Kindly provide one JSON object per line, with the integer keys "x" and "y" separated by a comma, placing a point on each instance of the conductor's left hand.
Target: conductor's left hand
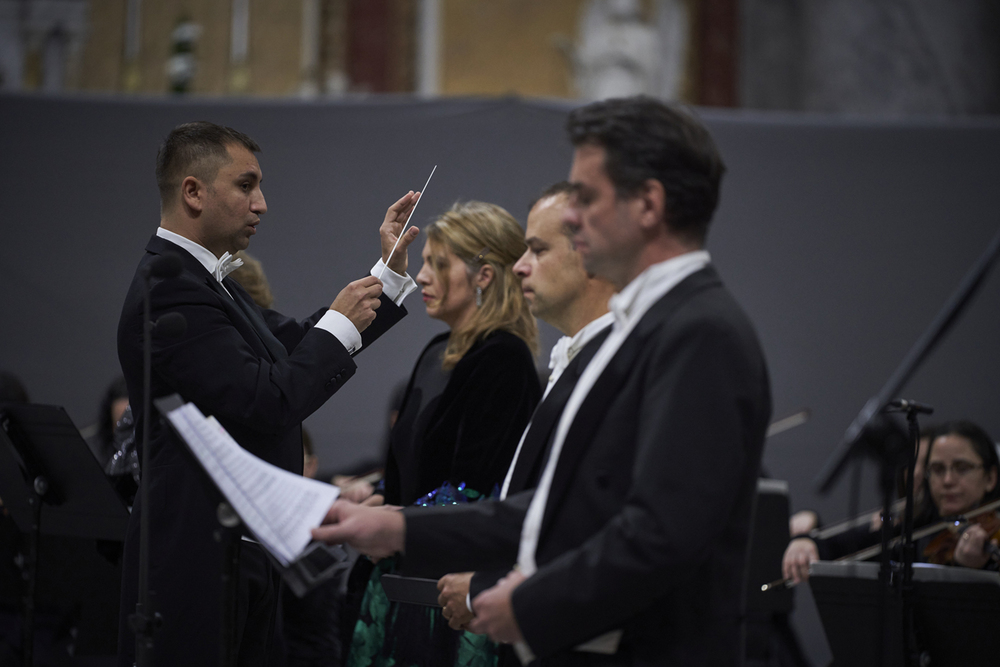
{"x": 495, "y": 612}
{"x": 378, "y": 532}
{"x": 395, "y": 219}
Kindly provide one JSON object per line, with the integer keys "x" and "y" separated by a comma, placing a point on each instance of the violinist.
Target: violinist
{"x": 960, "y": 470}
{"x": 962, "y": 475}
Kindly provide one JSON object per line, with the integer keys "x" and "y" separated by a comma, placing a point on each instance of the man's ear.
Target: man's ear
{"x": 652, "y": 201}
{"x": 485, "y": 276}
{"x": 193, "y": 195}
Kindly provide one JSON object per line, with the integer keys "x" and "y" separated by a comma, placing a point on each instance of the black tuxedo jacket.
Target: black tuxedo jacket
{"x": 260, "y": 374}
{"x": 647, "y": 523}
{"x": 534, "y": 450}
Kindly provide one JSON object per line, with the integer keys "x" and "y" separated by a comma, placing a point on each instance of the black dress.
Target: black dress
{"x": 455, "y": 437}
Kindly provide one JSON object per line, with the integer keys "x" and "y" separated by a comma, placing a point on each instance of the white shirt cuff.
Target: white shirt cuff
{"x": 342, "y": 329}
{"x": 468, "y": 602}
{"x": 394, "y": 286}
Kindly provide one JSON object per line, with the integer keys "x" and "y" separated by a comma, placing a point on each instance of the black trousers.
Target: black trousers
{"x": 257, "y": 599}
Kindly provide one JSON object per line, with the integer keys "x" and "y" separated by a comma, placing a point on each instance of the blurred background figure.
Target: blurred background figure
{"x": 100, "y": 435}
{"x": 253, "y": 279}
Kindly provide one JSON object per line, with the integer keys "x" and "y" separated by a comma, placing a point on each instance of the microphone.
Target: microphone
{"x": 166, "y": 265}
{"x": 171, "y": 325}
{"x": 911, "y": 406}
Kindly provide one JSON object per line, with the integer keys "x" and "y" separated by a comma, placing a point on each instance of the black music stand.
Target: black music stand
{"x": 849, "y": 597}
{"x": 957, "y": 609}
{"x": 958, "y": 613}
{"x": 51, "y": 484}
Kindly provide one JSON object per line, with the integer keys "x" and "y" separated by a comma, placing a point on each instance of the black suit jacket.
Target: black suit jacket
{"x": 260, "y": 374}
{"x": 534, "y": 450}
{"x": 647, "y": 523}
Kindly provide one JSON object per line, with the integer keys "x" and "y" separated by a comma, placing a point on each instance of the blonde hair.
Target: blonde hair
{"x": 479, "y": 234}
{"x": 251, "y": 277}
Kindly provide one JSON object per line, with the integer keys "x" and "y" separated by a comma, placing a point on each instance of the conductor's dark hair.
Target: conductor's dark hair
{"x": 196, "y": 149}
{"x": 644, "y": 139}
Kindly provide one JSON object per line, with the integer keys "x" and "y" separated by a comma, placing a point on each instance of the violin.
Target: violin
{"x": 941, "y": 549}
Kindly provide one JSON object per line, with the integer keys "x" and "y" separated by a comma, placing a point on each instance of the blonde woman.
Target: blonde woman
{"x": 470, "y": 396}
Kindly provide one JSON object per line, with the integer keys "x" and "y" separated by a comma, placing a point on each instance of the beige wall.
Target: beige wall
{"x": 101, "y": 58}
{"x": 272, "y": 64}
{"x": 275, "y": 46}
{"x": 497, "y": 47}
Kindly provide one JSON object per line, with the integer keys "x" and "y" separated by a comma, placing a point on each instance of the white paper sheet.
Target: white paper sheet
{"x": 277, "y": 506}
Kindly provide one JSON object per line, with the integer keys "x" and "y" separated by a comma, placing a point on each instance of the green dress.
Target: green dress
{"x": 390, "y": 634}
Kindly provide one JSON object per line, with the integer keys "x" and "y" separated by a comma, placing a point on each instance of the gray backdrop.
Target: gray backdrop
{"x": 841, "y": 237}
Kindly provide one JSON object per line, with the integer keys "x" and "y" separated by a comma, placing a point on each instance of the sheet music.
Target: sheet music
{"x": 277, "y": 506}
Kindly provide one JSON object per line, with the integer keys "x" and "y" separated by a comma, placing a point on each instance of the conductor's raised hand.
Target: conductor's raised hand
{"x": 358, "y": 301}
{"x": 392, "y": 227}
{"x": 378, "y": 532}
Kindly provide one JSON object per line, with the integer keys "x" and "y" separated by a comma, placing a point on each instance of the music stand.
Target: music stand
{"x": 957, "y": 609}
{"x": 958, "y": 612}
{"x": 51, "y": 484}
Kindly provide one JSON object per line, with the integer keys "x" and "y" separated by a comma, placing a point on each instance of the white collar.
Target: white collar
{"x": 646, "y": 288}
{"x": 567, "y": 347}
{"x": 219, "y": 267}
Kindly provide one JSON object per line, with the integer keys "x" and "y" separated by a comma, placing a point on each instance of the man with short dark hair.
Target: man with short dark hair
{"x": 259, "y": 373}
{"x": 632, "y": 548}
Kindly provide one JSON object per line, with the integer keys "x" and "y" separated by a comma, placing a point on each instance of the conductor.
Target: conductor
{"x": 258, "y": 372}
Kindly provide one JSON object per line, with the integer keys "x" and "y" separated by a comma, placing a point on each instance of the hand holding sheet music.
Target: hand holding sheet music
{"x": 278, "y": 507}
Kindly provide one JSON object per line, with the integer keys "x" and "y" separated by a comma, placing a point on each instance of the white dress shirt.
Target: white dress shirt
{"x": 627, "y": 307}
{"x": 394, "y": 286}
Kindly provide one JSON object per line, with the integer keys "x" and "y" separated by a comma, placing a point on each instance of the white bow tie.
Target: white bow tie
{"x": 226, "y": 265}
{"x": 619, "y": 309}
{"x": 559, "y": 358}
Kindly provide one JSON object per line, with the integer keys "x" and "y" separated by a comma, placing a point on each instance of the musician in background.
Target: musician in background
{"x": 960, "y": 475}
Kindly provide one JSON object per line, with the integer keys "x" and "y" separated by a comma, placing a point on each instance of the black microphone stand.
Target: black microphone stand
{"x": 911, "y": 649}
{"x": 145, "y": 620}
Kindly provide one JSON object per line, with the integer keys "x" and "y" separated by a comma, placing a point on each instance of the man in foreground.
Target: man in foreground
{"x": 258, "y": 372}
{"x": 632, "y": 548}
